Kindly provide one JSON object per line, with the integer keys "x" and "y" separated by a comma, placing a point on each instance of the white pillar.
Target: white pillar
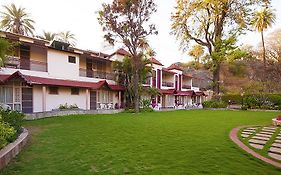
{"x": 87, "y": 99}
{"x": 119, "y": 99}
{"x": 44, "y": 98}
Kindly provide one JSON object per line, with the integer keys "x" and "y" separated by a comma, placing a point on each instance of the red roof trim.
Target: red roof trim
{"x": 155, "y": 61}
{"x": 185, "y": 93}
{"x": 200, "y": 93}
{"x": 167, "y": 91}
{"x": 174, "y": 66}
{"x": 32, "y": 80}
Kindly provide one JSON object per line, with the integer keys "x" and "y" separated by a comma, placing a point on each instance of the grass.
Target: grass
{"x": 179, "y": 142}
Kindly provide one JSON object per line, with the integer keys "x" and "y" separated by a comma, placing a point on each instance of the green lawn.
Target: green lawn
{"x": 180, "y": 142}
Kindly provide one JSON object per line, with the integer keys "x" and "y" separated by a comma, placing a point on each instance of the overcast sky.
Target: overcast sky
{"x": 80, "y": 18}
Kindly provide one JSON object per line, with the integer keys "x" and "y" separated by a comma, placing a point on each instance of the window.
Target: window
{"x": 71, "y": 59}
{"x": 11, "y": 96}
{"x": 53, "y": 90}
{"x": 105, "y": 96}
{"x": 74, "y": 91}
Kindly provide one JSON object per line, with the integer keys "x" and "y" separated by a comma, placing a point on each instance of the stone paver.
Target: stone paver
{"x": 249, "y": 133}
{"x": 245, "y": 135}
{"x": 278, "y": 137}
{"x": 252, "y": 128}
{"x": 268, "y": 130}
{"x": 277, "y": 145}
{"x": 275, "y": 150}
{"x": 275, "y": 156}
{"x": 260, "y": 138}
{"x": 267, "y": 133}
{"x": 248, "y": 130}
{"x": 262, "y": 142}
{"x": 269, "y": 127}
{"x": 263, "y": 135}
{"x": 257, "y": 146}
{"x": 278, "y": 141}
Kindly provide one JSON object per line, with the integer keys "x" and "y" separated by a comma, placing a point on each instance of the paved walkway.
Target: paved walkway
{"x": 256, "y": 140}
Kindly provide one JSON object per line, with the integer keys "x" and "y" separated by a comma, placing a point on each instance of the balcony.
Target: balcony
{"x": 167, "y": 84}
{"x": 186, "y": 86}
{"x": 96, "y": 74}
{"x": 17, "y": 63}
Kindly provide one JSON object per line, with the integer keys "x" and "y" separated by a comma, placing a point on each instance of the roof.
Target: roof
{"x": 168, "y": 71}
{"x": 33, "y": 80}
{"x": 122, "y": 52}
{"x": 174, "y": 66}
{"x": 155, "y": 61}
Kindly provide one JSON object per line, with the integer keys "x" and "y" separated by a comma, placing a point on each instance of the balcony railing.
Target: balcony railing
{"x": 167, "y": 84}
{"x": 96, "y": 74}
{"x": 186, "y": 86}
{"x": 17, "y": 63}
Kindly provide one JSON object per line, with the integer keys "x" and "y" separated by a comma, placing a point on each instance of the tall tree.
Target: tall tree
{"x": 49, "y": 36}
{"x": 67, "y": 37}
{"x": 17, "y": 20}
{"x": 213, "y": 24}
{"x": 126, "y": 21}
{"x": 5, "y": 49}
{"x": 263, "y": 19}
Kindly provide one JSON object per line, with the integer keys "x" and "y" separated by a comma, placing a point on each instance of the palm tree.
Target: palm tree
{"x": 16, "y": 20}
{"x": 67, "y": 37}
{"x": 49, "y": 36}
{"x": 5, "y": 49}
{"x": 263, "y": 19}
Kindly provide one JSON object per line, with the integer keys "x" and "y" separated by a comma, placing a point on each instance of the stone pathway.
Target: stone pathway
{"x": 275, "y": 150}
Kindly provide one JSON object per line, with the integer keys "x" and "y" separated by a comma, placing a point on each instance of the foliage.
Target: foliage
{"x": 124, "y": 76}
{"x": 214, "y": 25}
{"x": 67, "y": 37}
{"x": 66, "y": 106}
{"x": 214, "y": 104}
{"x": 145, "y": 103}
{"x": 13, "y": 118}
{"x": 49, "y": 36}
{"x": 262, "y": 20}
{"x": 17, "y": 20}
{"x": 7, "y": 134}
{"x": 126, "y": 22}
{"x": 5, "y": 48}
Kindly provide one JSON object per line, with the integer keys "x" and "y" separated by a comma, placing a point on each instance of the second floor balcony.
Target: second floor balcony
{"x": 96, "y": 74}
{"x": 167, "y": 84}
{"x": 26, "y": 64}
{"x": 186, "y": 86}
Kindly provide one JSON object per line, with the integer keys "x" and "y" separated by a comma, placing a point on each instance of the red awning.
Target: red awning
{"x": 185, "y": 93}
{"x": 33, "y": 80}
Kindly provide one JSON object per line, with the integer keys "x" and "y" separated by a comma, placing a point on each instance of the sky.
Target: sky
{"x": 80, "y": 18}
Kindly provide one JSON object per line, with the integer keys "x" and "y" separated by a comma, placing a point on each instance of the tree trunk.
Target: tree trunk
{"x": 136, "y": 89}
{"x": 263, "y": 51}
{"x": 216, "y": 80}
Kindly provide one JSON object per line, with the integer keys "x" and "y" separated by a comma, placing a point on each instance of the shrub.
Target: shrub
{"x": 13, "y": 118}
{"x": 214, "y": 104}
{"x": 7, "y": 134}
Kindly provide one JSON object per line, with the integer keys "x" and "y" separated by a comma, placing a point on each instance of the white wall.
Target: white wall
{"x": 59, "y": 66}
{"x": 37, "y": 99}
{"x": 64, "y": 96}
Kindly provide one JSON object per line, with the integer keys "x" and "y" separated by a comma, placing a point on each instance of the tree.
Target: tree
{"x": 49, "y": 36}
{"x": 263, "y": 19}
{"x": 67, "y": 37}
{"x": 17, "y": 20}
{"x": 126, "y": 22}
{"x": 5, "y": 49}
{"x": 124, "y": 75}
{"x": 196, "y": 52}
{"x": 213, "y": 24}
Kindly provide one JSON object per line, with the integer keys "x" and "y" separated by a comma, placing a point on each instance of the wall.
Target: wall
{"x": 37, "y": 99}
{"x": 64, "y": 96}
{"x": 59, "y": 66}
